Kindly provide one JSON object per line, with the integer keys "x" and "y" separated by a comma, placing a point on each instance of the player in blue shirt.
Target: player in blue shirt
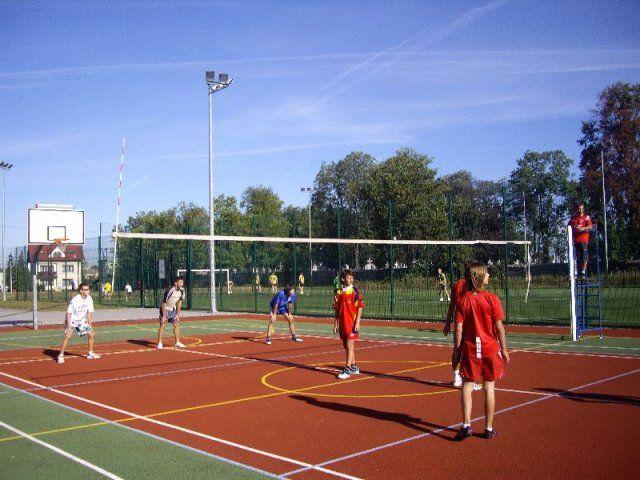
{"x": 281, "y": 304}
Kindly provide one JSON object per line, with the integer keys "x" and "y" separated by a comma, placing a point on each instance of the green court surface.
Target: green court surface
{"x": 121, "y": 451}
{"x": 51, "y": 338}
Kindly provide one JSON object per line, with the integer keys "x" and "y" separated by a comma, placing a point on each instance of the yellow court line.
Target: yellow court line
{"x": 342, "y": 382}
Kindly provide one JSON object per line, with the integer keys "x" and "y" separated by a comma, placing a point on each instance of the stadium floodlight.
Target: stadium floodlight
{"x": 213, "y": 86}
{"x": 5, "y": 168}
{"x": 309, "y": 190}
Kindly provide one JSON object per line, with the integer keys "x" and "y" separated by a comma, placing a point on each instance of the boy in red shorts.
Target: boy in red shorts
{"x": 348, "y": 304}
{"x": 478, "y": 322}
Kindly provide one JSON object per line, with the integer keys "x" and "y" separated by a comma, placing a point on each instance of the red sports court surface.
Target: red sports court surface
{"x": 280, "y": 408}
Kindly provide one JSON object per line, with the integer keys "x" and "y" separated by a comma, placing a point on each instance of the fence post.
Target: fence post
{"x": 100, "y": 273}
{"x": 506, "y": 253}
{"x": 188, "y": 272}
{"x": 450, "y": 221}
{"x": 254, "y": 268}
{"x": 339, "y": 236}
{"x": 219, "y": 264}
{"x": 156, "y": 271}
{"x": 295, "y": 262}
{"x": 391, "y": 257}
{"x": 141, "y": 272}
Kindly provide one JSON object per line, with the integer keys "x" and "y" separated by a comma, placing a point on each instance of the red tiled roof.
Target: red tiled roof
{"x": 42, "y": 253}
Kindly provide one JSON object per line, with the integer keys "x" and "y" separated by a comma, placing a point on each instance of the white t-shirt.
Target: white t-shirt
{"x": 127, "y": 288}
{"x": 79, "y": 308}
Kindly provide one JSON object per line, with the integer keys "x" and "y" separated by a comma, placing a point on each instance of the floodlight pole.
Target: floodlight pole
{"x": 213, "y": 86}
{"x": 309, "y": 190}
{"x": 5, "y": 168}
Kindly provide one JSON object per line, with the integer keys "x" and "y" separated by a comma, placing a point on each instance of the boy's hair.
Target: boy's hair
{"x": 474, "y": 274}
{"x": 344, "y": 273}
{"x": 82, "y": 285}
{"x": 288, "y": 287}
{"x": 175, "y": 279}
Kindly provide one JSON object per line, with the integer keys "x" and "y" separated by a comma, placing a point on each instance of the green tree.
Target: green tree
{"x": 614, "y": 131}
{"x": 545, "y": 182}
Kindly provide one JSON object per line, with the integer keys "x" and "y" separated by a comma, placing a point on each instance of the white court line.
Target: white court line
{"x": 68, "y": 455}
{"x": 194, "y": 369}
{"x": 138, "y": 432}
{"x": 455, "y": 425}
{"x": 246, "y": 448}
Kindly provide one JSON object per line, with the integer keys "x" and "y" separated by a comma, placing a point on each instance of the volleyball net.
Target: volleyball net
{"x": 398, "y": 276}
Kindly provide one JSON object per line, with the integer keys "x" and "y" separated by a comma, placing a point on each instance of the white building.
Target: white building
{"x": 58, "y": 268}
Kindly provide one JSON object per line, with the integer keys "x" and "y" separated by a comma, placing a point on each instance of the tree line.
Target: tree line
{"x": 403, "y": 196}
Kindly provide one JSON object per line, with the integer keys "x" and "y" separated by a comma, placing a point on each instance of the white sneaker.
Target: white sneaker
{"x": 346, "y": 373}
{"x": 60, "y": 359}
{"x": 159, "y": 346}
{"x": 457, "y": 381}
{"x": 476, "y": 387}
{"x": 180, "y": 345}
{"x": 296, "y": 338}
{"x": 93, "y": 356}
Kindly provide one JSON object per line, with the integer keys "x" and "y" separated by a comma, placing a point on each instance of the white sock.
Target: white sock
{"x": 456, "y": 373}
{"x": 465, "y": 425}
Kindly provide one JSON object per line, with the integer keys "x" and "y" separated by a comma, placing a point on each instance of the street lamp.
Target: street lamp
{"x": 213, "y": 86}
{"x": 309, "y": 190}
{"x": 5, "y": 168}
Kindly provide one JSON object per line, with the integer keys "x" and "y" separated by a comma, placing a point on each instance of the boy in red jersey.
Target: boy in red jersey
{"x": 478, "y": 322}
{"x": 580, "y": 226}
{"x": 348, "y": 304}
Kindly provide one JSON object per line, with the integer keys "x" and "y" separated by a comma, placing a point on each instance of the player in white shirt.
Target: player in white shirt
{"x": 127, "y": 292}
{"x": 170, "y": 311}
{"x": 79, "y": 318}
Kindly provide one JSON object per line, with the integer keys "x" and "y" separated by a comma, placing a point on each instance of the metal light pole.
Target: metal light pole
{"x": 5, "y": 167}
{"x": 213, "y": 86}
{"x": 604, "y": 209}
{"x": 309, "y": 190}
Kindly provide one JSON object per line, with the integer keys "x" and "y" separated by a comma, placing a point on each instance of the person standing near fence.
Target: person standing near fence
{"x": 79, "y": 318}
{"x": 257, "y": 283}
{"x": 170, "y": 311}
{"x": 301, "y": 283}
{"x": 273, "y": 281}
{"x": 127, "y": 292}
{"x": 442, "y": 285}
{"x": 580, "y": 227}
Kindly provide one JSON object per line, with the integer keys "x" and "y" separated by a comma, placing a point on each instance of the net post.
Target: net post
{"x": 572, "y": 285}
{"x": 295, "y": 259}
{"x": 391, "y": 256}
{"x": 339, "y": 214}
{"x": 188, "y": 272}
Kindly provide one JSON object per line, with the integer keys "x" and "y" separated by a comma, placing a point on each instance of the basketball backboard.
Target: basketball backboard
{"x": 48, "y": 222}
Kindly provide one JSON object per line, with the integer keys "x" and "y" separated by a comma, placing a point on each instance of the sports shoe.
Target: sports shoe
{"x": 267, "y": 340}
{"x": 457, "y": 381}
{"x": 60, "y": 359}
{"x": 180, "y": 345}
{"x": 463, "y": 433}
{"x": 346, "y": 373}
{"x": 441, "y": 299}
{"x": 93, "y": 356}
{"x": 355, "y": 370}
{"x": 476, "y": 387}
{"x": 159, "y": 346}
{"x": 296, "y": 338}
{"x": 490, "y": 434}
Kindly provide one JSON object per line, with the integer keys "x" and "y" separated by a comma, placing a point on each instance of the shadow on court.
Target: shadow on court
{"x": 400, "y": 418}
{"x": 593, "y": 397}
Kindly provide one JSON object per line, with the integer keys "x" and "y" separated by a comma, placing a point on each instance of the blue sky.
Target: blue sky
{"x": 473, "y": 84}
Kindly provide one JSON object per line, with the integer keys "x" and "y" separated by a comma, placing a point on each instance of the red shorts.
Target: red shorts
{"x": 488, "y": 368}
{"x": 347, "y": 331}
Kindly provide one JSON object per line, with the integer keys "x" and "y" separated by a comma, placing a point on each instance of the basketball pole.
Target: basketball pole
{"x": 5, "y": 168}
